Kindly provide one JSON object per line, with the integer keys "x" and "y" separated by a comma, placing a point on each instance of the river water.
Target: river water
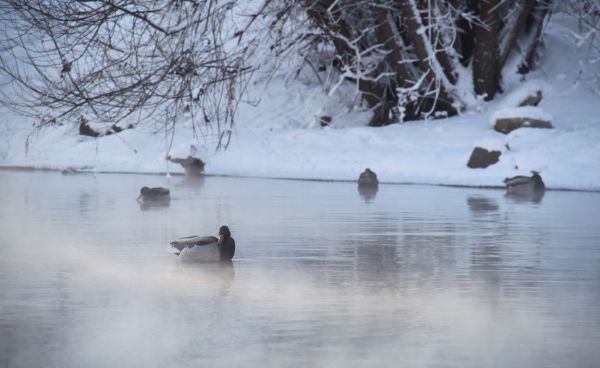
{"x": 324, "y": 276}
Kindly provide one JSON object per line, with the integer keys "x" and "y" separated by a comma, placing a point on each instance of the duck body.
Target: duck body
{"x": 206, "y": 248}
{"x": 198, "y": 249}
{"x": 368, "y": 179}
{"x": 154, "y": 195}
{"x": 525, "y": 185}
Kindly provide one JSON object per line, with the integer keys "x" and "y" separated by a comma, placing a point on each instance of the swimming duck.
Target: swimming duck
{"x": 368, "y": 179}
{"x": 158, "y": 194}
{"x": 525, "y": 184}
{"x": 206, "y": 248}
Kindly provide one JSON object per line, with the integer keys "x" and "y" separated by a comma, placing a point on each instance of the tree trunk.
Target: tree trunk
{"x": 466, "y": 34}
{"x": 517, "y": 27}
{"x": 485, "y": 55}
{"x": 440, "y": 49}
{"x": 404, "y": 78}
{"x": 427, "y": 60}
{"x": 540, "y": 13}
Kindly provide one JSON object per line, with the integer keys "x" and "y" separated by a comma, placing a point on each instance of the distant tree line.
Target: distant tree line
{"x": 410, "y": 59}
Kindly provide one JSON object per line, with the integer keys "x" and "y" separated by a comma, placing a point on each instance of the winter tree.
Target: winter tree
{"x": 154, "y": 60}
{"x": 587, "y": 15}
{"x": 409, "y": 59}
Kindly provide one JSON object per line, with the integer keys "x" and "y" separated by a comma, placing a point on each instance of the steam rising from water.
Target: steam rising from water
{"x": 115, "y": 312}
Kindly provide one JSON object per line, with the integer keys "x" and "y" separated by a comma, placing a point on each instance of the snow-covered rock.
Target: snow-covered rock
{"x": 509, "y": 119}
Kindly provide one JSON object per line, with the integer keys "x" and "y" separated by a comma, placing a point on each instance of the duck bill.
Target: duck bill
{"x": 138, "y": 198}
{"x": 221, "y": 238}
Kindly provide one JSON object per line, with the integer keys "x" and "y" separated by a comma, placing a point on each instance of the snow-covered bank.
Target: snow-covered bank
{"x": 280, "y": 137}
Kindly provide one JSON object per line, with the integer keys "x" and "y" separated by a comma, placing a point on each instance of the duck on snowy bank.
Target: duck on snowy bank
{"x": 206, "y": 248}
{"x": 525, "y": 185}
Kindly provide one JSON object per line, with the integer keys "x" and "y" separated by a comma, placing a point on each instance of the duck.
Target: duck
{"x": 69, "y": 171}
{"x": 206, "y": 248}
{"x": 525, "y": 184}
{"x": 154, "y": 195}
{"x": 368, "y": 179}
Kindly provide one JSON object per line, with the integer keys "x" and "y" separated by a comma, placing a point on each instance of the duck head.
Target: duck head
{"x": 537, "y": 180}
{"x": 143, "y": 191}
{"x": 224, "y": 234}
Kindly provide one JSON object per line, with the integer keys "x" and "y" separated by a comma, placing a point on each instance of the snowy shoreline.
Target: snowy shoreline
{"x": 281, "y": 138}
{"x": 318, "y": 180}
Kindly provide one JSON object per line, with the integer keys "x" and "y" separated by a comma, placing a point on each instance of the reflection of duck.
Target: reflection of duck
{"x": 207, "y": 277}
{"x": 206, "y": 248}
{"x": 533, "y": 197}
{"x": 154, "y": 205}
{"x": 368, "y": 192}
{"x": 368, "y": 179}
{"x": 525, "y": 185}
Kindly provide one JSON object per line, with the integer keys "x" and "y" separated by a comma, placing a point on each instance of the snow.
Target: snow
{"x": 280, "y": 135}
{"x": 524, "y": 90}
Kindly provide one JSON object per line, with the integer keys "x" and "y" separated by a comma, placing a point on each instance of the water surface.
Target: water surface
{"x": 324, "y": 276}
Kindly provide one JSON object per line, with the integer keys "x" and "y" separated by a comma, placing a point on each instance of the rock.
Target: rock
{"x": 507, "y": 125}
{"x": 532, "y": 99}
{"x": 117, "y": 129}
{"x": 86, "y": 129}
{"x": 482, "y": 158}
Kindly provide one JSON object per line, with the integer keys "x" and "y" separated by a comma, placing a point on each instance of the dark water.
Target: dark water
{"x": 416, "y": 276}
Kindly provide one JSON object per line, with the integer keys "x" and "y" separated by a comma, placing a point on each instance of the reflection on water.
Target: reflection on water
{"x": 154, "y": 204}
{"x": 533, "y": 197}
{"x": 479, "y": 204}
{"x": 323, "y": 276}
{"x": 368, "y": 192}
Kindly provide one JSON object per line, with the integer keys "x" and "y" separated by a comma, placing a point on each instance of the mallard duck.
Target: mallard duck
{"x": 525, "y": 184}
{"x": 150, "y": 195}
{"x": 368, "y": 179}
{"x": 206, "y": 248}
{"x": 69, "y": 171}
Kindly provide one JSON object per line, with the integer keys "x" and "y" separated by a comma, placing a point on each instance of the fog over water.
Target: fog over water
{"x": 324, "y": 276}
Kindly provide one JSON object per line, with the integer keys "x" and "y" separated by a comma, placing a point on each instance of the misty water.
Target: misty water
{"x": 324, "y": 276}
